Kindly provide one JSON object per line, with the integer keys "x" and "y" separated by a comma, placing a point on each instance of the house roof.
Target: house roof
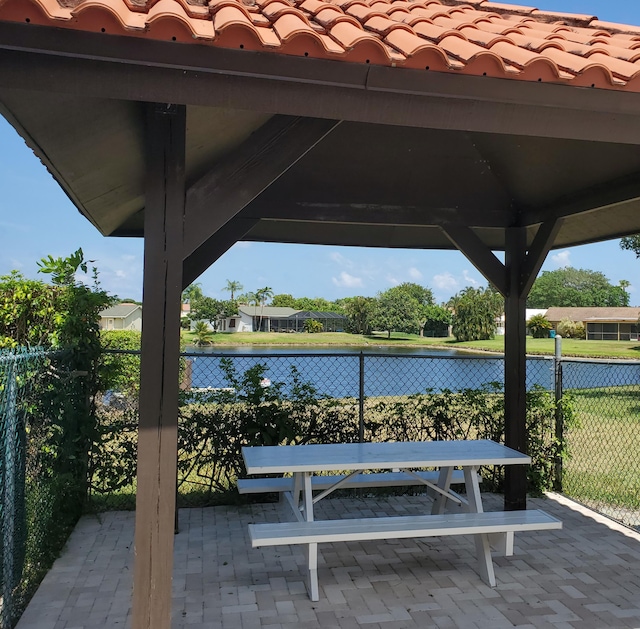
{"x": 314, "y": 314}
{"x": 594, "y": 314}
{"x": 475, "y": 37}
{"x": 120, "y": 311}
{"x": 267, "y": 311}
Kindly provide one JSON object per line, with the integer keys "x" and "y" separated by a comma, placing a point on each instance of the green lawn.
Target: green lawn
{"x": 570, "y": 347}
{"x": 604, "y": 448}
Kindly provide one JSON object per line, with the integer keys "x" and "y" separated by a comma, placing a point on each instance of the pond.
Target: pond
{"x": 381, "y": 371}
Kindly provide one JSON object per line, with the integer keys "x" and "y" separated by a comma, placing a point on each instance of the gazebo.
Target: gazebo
{"x": 439, "y": 124}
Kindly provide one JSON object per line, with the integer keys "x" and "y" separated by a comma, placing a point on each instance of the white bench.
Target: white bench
{"x": 481, "y": 525}
{"x": 383, "y": 479}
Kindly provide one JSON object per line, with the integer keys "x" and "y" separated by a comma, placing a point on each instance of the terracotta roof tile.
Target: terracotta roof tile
{"x": 479, "y": 37}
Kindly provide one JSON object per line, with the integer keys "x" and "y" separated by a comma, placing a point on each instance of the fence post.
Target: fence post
{"x": 559, "y": 427}
{"x": 361, "y": 401}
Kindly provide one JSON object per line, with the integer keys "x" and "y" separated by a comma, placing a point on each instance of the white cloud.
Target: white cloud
{"x": 470, "y": 281}
{"x": 242, "y": 244}
{"x": 445, "y": 281}
{"x": 347, "y": 281}
{"x": 414, "y": 274}
{"x": 562, "y": 258}
{"x": 394, "y": 281}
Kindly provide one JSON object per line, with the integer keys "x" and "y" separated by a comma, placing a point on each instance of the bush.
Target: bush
{"x": 214, "y": 425}
{"x": 569, "y": 329}
{"x": 539, "y": 326}
{"x": 312, "y": 326}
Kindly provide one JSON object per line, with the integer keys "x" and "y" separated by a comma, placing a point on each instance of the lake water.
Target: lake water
{"x": 386, "y": 371}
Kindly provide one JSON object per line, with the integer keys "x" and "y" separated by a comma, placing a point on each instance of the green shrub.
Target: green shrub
{"x": 539, "y": 326}
{"x": 312, "y": 326}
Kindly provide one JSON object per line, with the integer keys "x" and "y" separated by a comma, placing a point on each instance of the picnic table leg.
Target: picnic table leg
{"x": 444, "y": 483}
{"x": 483, "y": 546}
{"x": 312, "y": 549}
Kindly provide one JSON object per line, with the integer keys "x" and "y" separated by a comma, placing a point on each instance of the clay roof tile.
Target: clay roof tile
{"x": 479, "y": 37}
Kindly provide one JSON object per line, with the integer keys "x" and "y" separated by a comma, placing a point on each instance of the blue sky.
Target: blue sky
{"x": 37, "y": 219}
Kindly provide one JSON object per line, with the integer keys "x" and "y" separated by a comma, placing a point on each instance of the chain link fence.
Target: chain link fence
{"x": 602, "y": 469}
{"x": 42, "y": 481}
{"x": 233, "y": 399}
{"x": 228, "y": 400}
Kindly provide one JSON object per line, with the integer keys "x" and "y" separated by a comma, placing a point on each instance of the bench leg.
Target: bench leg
{"x": 312, "y": 576}
{"x": 502, "y": 543}
{"x": 485, "y": 563}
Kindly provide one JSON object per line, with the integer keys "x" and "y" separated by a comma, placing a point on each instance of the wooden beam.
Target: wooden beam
{"x": 159, "y": 369}
{"x": 131, "y": 68}
{"x": 217, "y": 244}
{"x": 540, "y": 247}
{"x": 272, "y": 207}
{"x": 515, "y": 368}
{"x": 241, "y": 177}
{"x": 478, "y": 254}
{"x": 621, "y": 191}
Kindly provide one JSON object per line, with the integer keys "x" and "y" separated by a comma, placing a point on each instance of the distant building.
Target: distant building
{"x": 530, "y": 312}
{"x": 122, "y": 317}
{"x": 273, "y": 319}
{"x": 600, "y": 324}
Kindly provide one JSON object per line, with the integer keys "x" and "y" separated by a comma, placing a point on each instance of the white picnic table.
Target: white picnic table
{"x": 403, "y": 463}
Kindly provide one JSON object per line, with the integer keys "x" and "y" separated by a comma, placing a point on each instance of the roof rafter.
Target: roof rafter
{"x": 259, "y": 161}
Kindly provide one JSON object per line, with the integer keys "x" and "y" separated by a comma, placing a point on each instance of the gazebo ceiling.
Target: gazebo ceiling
{"x": 517, "y": 144}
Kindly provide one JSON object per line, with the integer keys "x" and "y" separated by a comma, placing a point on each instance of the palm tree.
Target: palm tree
{"x": 201, "y": 334}
{"x": 262, "y": 295}
{"x": 192, "y": 293}
{"x": 232, "y": 287}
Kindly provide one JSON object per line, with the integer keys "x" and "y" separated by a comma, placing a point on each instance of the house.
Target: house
{"x": 275, "y": 319}
{"x": 529, "y": 312}
{"x": 122, "y": 317}
{"x": 600, "y": 324}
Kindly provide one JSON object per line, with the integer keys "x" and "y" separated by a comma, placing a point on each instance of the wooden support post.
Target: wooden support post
{"x": 157, "y": 436}
{"x": 515, "y": 364}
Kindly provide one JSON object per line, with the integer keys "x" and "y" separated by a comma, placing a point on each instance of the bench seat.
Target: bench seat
{"x": 482, "y": 525}
{"x": 382, "y": 479}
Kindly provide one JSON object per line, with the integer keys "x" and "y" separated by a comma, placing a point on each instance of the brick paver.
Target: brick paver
{"x": 586, "y": 576}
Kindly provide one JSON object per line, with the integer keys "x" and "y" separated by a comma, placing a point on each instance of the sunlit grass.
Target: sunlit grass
{"x": 604, "y": 448}
{"x": 570, "y": 347}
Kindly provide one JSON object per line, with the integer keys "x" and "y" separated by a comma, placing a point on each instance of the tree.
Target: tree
{"x": 436, "y": 321}
{"x": 207, "y": 309}
{"x": 232, "y": 288}
{"x": 475, "y": 312}
{"x": 631, "y": 243}
{"x": 421, "y": 294}
{"x": 283, "y": 300}
{"x": 192, "y": 293}
{"x": 569, "y": 287}
{"x": 262, "y": 296}
{"x": 359, "y": 312}
{"x": 396, "y": 311}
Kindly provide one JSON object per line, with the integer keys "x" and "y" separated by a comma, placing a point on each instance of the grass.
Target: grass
{"x": 604, "y": 449}
{"x": 570, "y": 347}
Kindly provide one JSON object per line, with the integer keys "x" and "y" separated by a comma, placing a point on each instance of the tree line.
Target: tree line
{"x": 410, "y": 308}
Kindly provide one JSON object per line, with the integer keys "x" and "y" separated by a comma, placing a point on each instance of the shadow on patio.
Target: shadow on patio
{"x": 586, "y": 575}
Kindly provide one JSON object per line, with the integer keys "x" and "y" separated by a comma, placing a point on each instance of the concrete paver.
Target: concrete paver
{"x": 585, "y": 576}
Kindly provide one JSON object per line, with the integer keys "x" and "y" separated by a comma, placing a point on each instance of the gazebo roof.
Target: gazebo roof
{"x": 473, "y": 114}
{"x": 475, "y": 37}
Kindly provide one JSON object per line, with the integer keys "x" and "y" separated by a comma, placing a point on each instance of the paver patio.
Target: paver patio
{"x": 585, "y": 576}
